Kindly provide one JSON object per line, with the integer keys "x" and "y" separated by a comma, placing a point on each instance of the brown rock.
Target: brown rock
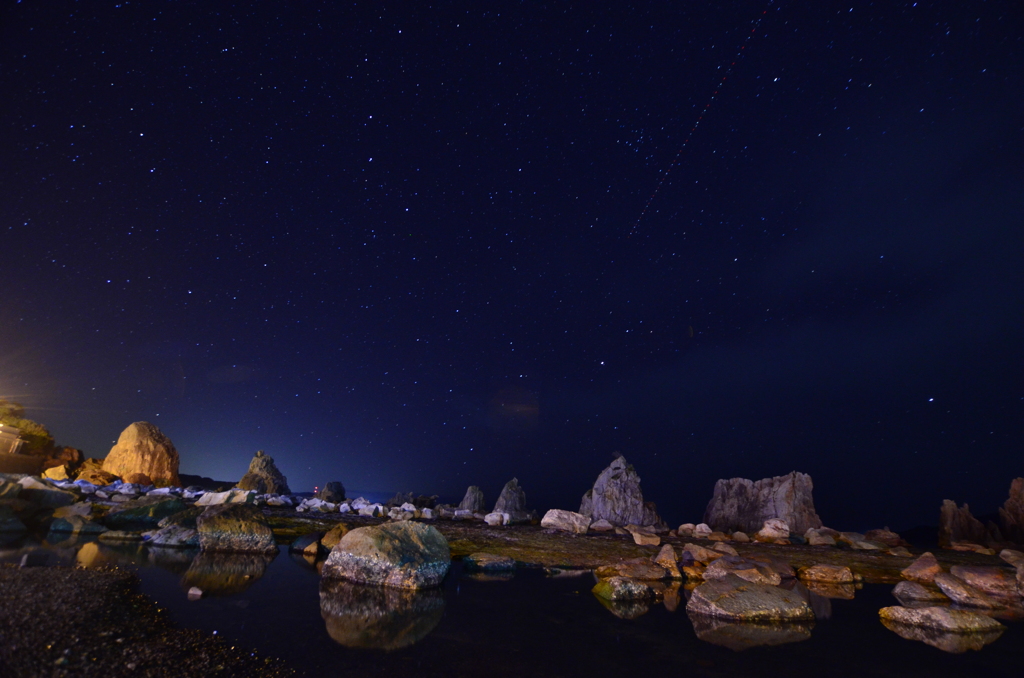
{"x": 735, "y": 598}
{"x": 923, "y": 570}
{"x": 635, "y": 568}
{"x": 1011, "y": 515}
{"x": 92, "y": 471}
{"x": 142, "y": 448}
{"x": 138, "y": 479}
{"x": 972, "y": 547}
{"x": 748, "y": 570}
{"x": 566, "y": 521}
{"x": 885, "y": 536}
{"x": 912, "y": 592}
{"x": 836, "y": 574}
{"x": 991, "y": 580}
{"x": 69, "y": 457}
{"x": 957, "y": 524}
{"x": 666, "y": 558}
{"x": 644, "y": 539}
{"x": 740, "y": 537}
{"x": 940, "y": 618}
{"x": 334, "y": 535}
{"x": 964, "y": 594}
{"x": 722, "y": 547}
{"x": 701, "y": 554}
{"x": 692, "y": 572}
{"x": 745, "y": 505}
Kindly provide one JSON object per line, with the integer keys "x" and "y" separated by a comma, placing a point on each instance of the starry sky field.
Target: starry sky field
{"x": 417, "y": 247}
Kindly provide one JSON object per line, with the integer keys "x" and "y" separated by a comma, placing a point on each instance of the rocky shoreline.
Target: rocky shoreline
{"x": 64, "y": 622}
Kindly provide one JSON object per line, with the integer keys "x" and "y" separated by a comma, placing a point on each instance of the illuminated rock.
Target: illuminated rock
{"x": 741, "y": 504}
{"x": 142, "y": 448}
{"x": 617, "y": 498}
{"x": 235, "y": 528}
{"x": 958, "y": 525}
{"x": 737, "y": 599}
{"x": 402, "y": 554}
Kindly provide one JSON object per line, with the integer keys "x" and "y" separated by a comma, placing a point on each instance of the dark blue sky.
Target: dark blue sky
{"x": 397, "y": 245}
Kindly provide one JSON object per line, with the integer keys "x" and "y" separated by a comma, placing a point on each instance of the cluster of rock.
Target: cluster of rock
{"x": 509, "y": 509}
{"x": 953, "y": 610}
{"x": 959, "y": 530}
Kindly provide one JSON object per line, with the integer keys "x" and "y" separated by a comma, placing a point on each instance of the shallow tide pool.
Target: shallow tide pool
{"x": 527, "y": 625}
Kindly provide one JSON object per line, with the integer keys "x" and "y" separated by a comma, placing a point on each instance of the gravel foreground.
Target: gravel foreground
{"x": 57, "y": 622}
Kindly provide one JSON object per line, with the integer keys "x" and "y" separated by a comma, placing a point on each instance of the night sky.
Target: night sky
{"x": 401, "y": 245}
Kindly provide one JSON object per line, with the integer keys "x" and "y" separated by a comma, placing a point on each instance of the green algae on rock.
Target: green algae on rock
{"x": 404, "y": 555}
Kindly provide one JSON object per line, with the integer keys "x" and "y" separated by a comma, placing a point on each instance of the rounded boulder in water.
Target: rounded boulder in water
{"x": 405, "y": 555}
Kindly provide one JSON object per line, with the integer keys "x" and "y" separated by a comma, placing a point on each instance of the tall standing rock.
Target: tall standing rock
{"x": 473, "y": 501}
{"x": 616, "y": 497}
{"x": 333, "y": 492}
{"x": 263, "y": 476}
{"x": 142, "y": 448}
{"x": 745, "y": 505}
{"x": 512, "y": 501}
{"x": 957, "y": 524}
{"x": 1011, "y": 515}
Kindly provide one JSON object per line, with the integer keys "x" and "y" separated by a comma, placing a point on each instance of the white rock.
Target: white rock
{"x": 234, "y": 496}
{"x": 279, "y": 500}
{"x": 685, "y": 530}
{"x": 496, "y": 519}
{"x": 344, "y": 508}
{"x": 601, "y": 525}
{"x": 426, "y": 514}
{"x": 702, "y": 531}
{"x": 463, "y": 514}
{"x": 359, "y": 504}
{"x": 407, "y": 507}
{"x": 195, "y": 593}
{"x": 159, "y": 491}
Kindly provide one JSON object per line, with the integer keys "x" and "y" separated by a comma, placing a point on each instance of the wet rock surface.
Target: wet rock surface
{"x": 235, "y": 528}
{"x": 737, "y": 599}
{"x": 403, "y": 555}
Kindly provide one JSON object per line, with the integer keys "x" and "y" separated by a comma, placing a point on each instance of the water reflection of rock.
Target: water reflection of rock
{"x": 832, "y": 590}
{"x": 947, "y": 641}
{"x": 225, "y": 574}
{"x": 172, "y": 559}
{"x": 626, "y": 609}
{"x": 381, "y": 618}
{"x": 745, "y": 635}
{"x": 93, "y": 554}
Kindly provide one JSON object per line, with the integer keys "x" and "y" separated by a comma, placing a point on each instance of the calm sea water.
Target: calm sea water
{"x": 529, "y": 625}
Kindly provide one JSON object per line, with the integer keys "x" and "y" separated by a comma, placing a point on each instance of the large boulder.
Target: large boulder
{"x": 237, "y": 528}
{"x": 333, "y": 492}
{"x": 616, "y": 497}
{"x": 473, "y": 501}
{"x": 144, "y": 512}
{"x": 744, "y": 505}
{"x": 142, "y": 448}
{"x": 958, "y": 525}
{"x": 735, "y": 598}
{"x": 512, "y": 501}
{"x": 263, "y": 476}
{"x": 991, "y": 580}
{"x": 566, "y": 521}
{"x": 1011, "y": 515}
{"x": 404, "y": 554}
